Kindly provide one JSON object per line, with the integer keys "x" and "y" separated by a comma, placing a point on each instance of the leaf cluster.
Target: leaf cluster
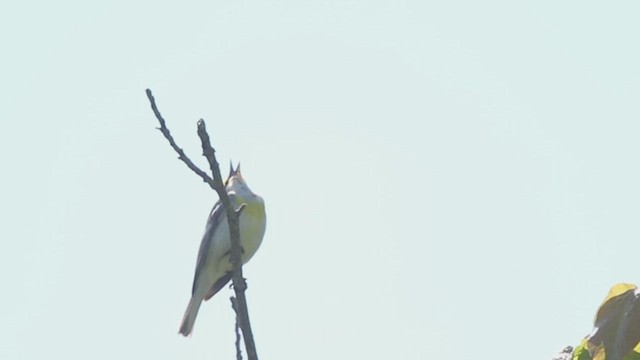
{"x": 616, "y": 330}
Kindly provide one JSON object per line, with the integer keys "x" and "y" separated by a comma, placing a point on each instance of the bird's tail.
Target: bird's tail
{"x": 190, "y": 316}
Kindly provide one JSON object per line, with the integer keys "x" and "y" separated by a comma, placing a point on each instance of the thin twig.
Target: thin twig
{"x": 181, "y": 155}
{"x": 234, "y": 305}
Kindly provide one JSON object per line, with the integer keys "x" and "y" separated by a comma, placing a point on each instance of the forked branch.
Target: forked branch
{"x": 216, "y": 183}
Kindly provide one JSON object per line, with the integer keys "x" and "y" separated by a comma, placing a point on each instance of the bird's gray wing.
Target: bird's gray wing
{"x": 216, "y": 216}
{"x": 219, "y": 284}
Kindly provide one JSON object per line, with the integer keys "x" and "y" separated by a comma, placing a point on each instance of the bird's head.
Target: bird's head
{"x": 235, "y": 181}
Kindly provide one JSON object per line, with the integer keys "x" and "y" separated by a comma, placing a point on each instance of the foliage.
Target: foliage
{"x": 616, "y": 331}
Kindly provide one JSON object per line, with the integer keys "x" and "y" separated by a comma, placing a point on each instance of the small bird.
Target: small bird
{"x": 213, "y": 267}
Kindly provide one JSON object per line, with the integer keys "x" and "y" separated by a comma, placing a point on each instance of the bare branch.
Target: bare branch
{"x": 181, "y": 155}
{"x": 239, "y": 284}
{"x": 234, "y": 305}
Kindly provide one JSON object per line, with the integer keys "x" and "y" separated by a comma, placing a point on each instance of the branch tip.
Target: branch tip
{"x": 167, "y": 134}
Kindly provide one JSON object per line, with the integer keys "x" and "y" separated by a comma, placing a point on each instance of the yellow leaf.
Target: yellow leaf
{"x": 618, "y": 289}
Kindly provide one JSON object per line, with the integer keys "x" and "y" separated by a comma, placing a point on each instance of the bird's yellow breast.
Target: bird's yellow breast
{"x": 253, "y": 222}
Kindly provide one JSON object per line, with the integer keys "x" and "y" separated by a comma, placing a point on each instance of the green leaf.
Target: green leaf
{"x": 581, "y": 352}
{"x": 634, "y": 355}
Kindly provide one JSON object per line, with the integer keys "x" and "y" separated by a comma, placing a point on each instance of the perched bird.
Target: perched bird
{"x": 213, "y": 267}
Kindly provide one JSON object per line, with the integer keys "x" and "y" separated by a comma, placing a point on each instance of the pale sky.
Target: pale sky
{"x": 442, "y": 179}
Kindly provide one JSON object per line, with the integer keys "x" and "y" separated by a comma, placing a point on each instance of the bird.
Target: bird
{"x": 213, "y": 266}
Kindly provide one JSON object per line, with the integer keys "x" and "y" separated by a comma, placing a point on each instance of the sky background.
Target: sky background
{"x": 442, "y": 179}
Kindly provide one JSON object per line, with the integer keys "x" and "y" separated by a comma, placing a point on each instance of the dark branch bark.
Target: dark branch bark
{"x": 239, "y": 284}
{"x": 167, "y": 134}
{"x": 234, "y": 305}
